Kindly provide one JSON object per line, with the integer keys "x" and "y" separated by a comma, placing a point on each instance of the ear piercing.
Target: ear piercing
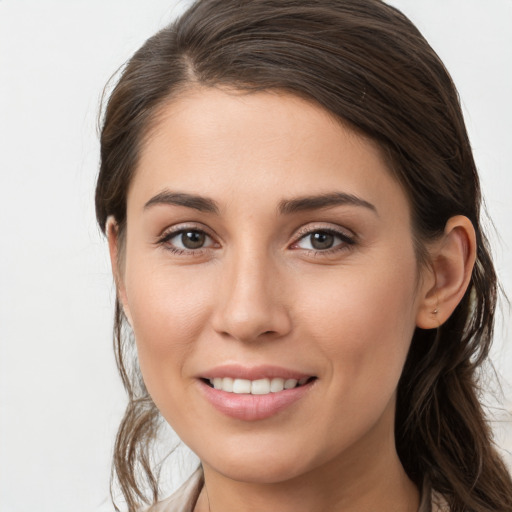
{"x": 435, "y": 311}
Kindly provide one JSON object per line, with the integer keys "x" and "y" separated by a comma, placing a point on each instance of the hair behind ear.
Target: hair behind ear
{"x": 116, "y": 245}
{"x": 441, "y": 428}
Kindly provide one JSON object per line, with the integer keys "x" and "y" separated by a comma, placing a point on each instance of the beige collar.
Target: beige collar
{"x": 184, "y": 499}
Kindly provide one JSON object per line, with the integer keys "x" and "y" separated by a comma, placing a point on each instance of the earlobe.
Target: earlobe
{"x": 452, "y": 260}
{"x": 112, "y": 231}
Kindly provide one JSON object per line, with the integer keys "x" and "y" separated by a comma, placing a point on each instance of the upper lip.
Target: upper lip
{"x": 253, "y": 372}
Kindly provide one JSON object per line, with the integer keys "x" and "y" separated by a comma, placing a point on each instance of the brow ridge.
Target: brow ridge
{"x": 329, "y": 200}
{"x": 203, "y": 204}
{"x": 286, "y": 206}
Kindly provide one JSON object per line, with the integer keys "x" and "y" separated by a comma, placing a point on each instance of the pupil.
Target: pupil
{"x": 322, "y": 240}
{"x": 192, "y": 239}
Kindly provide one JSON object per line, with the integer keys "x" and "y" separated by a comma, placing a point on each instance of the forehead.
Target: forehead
{"x": 228, "y": 143}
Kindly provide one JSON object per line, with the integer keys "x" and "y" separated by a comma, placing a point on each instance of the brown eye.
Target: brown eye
{"x": 187, "y": 240}
{"x": 321, "y": 240}
{"x": 193, "y": 239}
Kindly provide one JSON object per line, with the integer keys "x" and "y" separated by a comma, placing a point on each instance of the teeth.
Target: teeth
{"x": 227, "y": 384}
{"x": 260, "y": 387}
{"x": 241, "y": 386}
{"x": 290, "y": 383}
{"x": 276, "y": 385}
{"x": 256, "y": 387}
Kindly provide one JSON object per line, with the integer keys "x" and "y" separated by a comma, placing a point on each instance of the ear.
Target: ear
{"x": 452, "y": 260}
{"x": 112, "y": 230}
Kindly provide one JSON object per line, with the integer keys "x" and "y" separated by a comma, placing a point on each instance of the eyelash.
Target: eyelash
{"x": 169, "y": 235}
{"x": 345, "y": 240}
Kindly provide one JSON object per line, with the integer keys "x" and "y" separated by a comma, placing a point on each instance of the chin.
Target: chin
{"x": 259, "y": 473}
{"x": 260, "y": 465}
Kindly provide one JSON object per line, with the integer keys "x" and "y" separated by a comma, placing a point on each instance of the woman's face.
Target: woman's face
{"x": 268, "y": 244}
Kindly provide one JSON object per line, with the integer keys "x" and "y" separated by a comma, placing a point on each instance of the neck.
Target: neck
{"x": 368, "y": 476}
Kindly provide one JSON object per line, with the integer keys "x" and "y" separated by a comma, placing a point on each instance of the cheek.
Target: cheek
{"x": 363, "y": 320}
{"x": 169, "y": 310}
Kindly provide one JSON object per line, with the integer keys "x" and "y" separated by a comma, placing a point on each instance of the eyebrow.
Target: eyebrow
{"x": 317, "y": 202}
{"x": 203, "y": 204}
{"x": 286, "y": 207}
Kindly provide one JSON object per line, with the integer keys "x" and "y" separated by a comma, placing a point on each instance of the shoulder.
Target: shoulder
{"x": 431, "y": 500}
{"x": 439, "y": 504}
{"x": 184, "y": 499}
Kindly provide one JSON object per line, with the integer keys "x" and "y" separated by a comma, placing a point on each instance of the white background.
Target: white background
{"x": 60, "y": 398}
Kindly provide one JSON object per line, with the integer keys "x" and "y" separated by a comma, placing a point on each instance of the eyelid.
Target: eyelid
{"x": 172, "y": 231}
{"x": 347, "y": 236}
{"x": 329, "y": 228}
{"x": 183, "y": 226}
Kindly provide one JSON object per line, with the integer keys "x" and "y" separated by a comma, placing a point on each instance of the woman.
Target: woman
{"x": 292, "y": 211}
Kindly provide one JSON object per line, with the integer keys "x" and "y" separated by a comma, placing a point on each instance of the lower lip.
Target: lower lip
{"x": 253, "y": 407}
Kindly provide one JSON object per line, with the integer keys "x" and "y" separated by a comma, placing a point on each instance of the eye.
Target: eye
{"x": 323, "y": 240}
{"x": 187, "y": 240}
{"x": 190, "y": 239}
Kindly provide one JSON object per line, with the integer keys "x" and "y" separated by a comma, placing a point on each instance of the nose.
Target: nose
{"x": 251, "y": 303}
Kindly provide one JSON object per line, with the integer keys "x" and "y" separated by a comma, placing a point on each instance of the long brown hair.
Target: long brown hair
{"x": 367, "y": 64}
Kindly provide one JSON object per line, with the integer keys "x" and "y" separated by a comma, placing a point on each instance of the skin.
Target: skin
{"x": 258, "y": 293}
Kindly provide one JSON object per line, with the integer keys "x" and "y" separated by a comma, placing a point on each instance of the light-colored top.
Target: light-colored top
{"x": 185, "y": 498}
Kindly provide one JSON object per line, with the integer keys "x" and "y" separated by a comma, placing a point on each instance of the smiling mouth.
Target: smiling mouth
{"x": 256, "y": 387}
